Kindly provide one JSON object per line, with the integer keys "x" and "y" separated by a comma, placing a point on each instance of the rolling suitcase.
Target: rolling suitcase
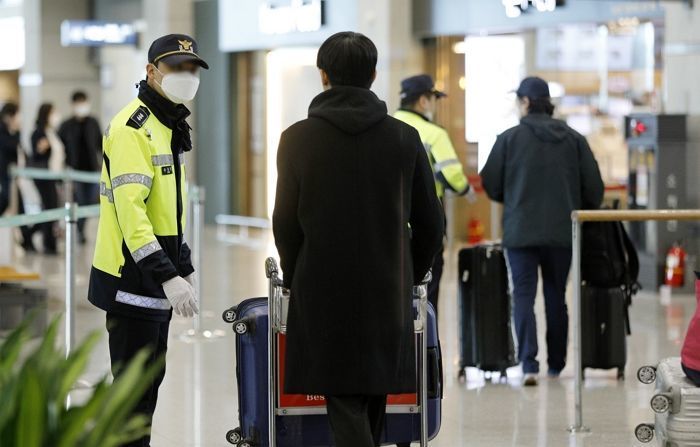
{"x": 299, "y": 420}
{"x": 604, "y": 329}
{"x": 486, "y": 340}
{"x": 676, "y": 404}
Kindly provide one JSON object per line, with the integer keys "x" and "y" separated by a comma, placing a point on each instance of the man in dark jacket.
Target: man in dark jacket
{"x": 357, "y": 223}
{"x": 541, "y": 170}
{"x": 82, "y": 138}
{"x": 9, "y": 145}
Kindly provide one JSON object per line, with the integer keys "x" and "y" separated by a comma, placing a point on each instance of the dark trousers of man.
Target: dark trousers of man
{"x": 85, "y": 194}
{"x": 127, "y": 336}
{"x": 49, "y": 200}
{"x": 523, "y": 265}
{"x": 356, "y": 421}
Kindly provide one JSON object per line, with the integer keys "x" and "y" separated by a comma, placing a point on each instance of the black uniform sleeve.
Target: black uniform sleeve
{"x": 592, "y": 186}
{"x": 285, "y": 222}
{"x": 493, "y": 173}
{"x": 185, "y": 267}
{"x": 427, "y": 216}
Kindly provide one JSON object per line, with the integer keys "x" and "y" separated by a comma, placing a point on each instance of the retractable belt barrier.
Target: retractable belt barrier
{"x": 578, "y": 218}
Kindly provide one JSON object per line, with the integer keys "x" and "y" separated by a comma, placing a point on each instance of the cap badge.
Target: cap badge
{"x": 185, "y": 45}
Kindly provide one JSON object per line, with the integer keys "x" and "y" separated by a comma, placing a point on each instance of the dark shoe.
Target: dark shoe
{"x": 553, "y": 373}
{"x": 530, "y": 379}
{"x": 82, "y": 239}
{"x": 51, "y": 252}
{"x": 28, "y": 246}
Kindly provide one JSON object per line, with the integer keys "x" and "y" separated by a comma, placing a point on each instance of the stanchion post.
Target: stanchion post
{"x": 71, "y": 223}
{"x": 578, "y": 426}
{"x": 197, "y": 200}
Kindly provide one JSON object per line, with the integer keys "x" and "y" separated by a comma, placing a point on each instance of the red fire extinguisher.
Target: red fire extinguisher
{"x": 475, "y": 231}
{"x": 675, "y": 266}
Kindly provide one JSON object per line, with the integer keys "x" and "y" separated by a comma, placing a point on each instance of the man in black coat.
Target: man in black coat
{"x": 82, "y": 138}
{"x": 541, "y": 170}
{"x": 357, "y": 223}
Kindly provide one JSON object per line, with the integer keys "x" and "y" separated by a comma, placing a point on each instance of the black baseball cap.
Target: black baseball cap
{"x": 416, "y": 86}
{"x": 175, "y": 49}
{"x": 533, "y": 88}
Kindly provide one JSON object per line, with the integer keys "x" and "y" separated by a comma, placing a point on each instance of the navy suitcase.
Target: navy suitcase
{"x": 301, "y": 421}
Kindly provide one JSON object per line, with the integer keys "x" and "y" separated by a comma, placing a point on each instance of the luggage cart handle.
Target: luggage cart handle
{"x": 271, "y": 267}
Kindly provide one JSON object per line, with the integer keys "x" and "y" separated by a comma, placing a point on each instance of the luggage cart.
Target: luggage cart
{"x": 400, "y": 408}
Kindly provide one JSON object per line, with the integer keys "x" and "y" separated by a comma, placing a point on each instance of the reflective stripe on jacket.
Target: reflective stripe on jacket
{"x": 446, "y": 165}
{"x": 142, "y": 217}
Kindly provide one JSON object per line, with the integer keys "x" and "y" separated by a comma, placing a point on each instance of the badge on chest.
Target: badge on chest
{"x": 166, "y": 170}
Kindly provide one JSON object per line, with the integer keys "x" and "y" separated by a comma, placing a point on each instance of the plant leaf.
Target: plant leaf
{"x": 32, "y": 411}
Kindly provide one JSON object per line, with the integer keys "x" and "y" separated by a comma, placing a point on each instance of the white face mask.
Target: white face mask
{"x": 82, "y": 110}
{"x": 179, "y": 87}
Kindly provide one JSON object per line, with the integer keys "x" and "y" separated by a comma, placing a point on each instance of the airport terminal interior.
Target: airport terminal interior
{"x": 623, "y": 74}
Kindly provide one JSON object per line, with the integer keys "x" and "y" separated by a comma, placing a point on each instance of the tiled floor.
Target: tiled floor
{"x": 198, "y": 398}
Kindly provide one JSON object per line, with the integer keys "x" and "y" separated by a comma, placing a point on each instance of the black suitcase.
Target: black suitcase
{"x": 485, "y": 311}
{"x": 604, "y": 329}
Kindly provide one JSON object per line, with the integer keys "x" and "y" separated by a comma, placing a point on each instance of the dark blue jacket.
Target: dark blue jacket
{"x": 541, "y": 170}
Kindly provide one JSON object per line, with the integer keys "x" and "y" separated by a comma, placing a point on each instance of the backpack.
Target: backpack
{"x": 609, "y": 260}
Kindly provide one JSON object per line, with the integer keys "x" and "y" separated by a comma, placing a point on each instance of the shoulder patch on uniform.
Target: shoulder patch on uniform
{"x": 138, "y": 118}
{"x": 107, "y": 130}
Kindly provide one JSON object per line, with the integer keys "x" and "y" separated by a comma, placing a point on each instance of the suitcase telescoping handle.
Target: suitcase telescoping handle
{"x": 421, "y": 327}
{"x": 272, "y": 273}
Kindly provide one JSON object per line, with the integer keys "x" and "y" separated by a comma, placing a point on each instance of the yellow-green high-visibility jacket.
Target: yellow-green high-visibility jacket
{"x": 142, "y": 216}
{"x": 446, "y": 166}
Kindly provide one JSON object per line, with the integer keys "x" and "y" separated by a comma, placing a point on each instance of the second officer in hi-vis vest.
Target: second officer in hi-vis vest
{"x": 142, "y": 269}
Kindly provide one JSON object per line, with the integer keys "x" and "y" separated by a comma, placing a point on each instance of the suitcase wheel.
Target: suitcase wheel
{"x": 660, "y": 403}
{"x": 234, "y": 436}
{"x": 240, "y": 327}
{"x": 462, "y": 375}
{"x": 644, "y": 433}
{"x": 229, "y": 315}
{"x": 647, "y": 375}
{"x": 245, "y": 444}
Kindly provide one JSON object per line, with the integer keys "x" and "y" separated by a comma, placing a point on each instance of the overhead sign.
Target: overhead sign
{"x": 301, "y": 16}
{"x": 95, "y": 33}
{"x": 12, "y": 32}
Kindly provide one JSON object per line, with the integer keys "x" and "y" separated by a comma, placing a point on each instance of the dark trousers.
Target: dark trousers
{"x": 49, "y": 200}
{"x": 523, "y": 266}
{"x": 434, "y": 286}
{"x": 5, "y": 182}
{"x": 356, "y": 421}
{"x": 692, "y": 374}
{"x": 127, "y": 336}
{"x": 85, "y": 194}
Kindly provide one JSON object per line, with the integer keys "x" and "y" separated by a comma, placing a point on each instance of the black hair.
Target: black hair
{"x": 10, "y": 109}
{"x": 42, "y": 118}
{"x": 348, "y": 59}
{"x": 540, "y": 105}
{"x": 79, "y": 96}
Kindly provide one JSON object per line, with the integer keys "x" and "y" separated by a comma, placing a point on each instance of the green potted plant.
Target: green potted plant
{"x": 35, "y": 382}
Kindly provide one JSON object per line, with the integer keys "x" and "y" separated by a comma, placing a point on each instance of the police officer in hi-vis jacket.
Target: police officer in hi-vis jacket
{"x": 142, "y": 269}
{"x": 418, "y": 103}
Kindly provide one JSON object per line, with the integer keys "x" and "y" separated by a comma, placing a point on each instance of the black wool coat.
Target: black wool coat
{"x": 357, "y": 223}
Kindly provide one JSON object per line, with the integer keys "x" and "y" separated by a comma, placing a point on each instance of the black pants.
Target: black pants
{"x": 5, "y": 183}
{"x": 692, "y": 374}
{"x": 356, "y": 421}
{"x": 85, "y": 194}
{"x": 434, "y": 286}
{"x": 49, "y": 200}
{"x": 127, "y": 336}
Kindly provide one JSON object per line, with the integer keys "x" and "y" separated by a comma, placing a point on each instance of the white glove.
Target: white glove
{"x": 181, "y": 296}
{"x": 192, "y": 279}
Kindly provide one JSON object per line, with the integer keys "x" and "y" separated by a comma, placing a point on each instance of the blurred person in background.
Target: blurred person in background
{"x": 9, "y": 146}
{"x": 541, "y": 170}
{"x": 10, "y": 150}
{"x": 82, "y": 138}
{"x": 419, "y": 100}
{"x": 46, "y": 150}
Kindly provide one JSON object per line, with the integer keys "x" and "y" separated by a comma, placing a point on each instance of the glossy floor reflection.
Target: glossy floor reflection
{"x": 198, "y": 401}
